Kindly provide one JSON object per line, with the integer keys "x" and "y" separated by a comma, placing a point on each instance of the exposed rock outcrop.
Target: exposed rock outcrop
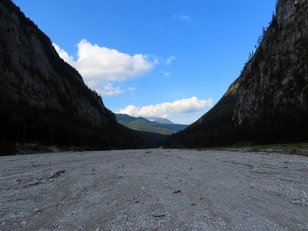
{"x": 31, "y": 71}
{"x": 269, "y": 100}
{"x": 43, "y": 99}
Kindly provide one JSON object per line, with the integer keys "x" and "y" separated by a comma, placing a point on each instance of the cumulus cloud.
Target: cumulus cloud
{"x": 109, "y": 64}
{"x": 165, "y": 109}
{"x": 64, "y": 55}
{"x": 101, "y": 65}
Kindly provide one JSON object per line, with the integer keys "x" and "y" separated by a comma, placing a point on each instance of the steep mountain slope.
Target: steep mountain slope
{"x": 42, "y": 98}
{"x": 145, "y": 125}
{"x": 269, "y": 101}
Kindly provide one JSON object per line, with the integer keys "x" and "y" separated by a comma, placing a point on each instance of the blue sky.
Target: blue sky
{"x": 161, "y": 58}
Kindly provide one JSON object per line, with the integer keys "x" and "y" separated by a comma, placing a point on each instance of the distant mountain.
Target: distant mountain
{"x": 268, "y": 103}
{"x": 145, "y": 125}
{"x": 44, "y": 100}
{"x": 159, "y": 120}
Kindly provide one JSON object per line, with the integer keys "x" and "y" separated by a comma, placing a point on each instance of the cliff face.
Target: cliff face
{"x": 43, "y": 99}
{"x": 269, "y": 100}
{"x": 275, "y": 80}
{"x": 31, "y": 71}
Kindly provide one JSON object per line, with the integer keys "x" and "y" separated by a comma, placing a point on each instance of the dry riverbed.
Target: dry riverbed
{"x": 154, "y": 190}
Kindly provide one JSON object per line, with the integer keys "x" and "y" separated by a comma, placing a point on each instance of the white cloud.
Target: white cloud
{"x": 64, "y": 55}
{"x": 166, "y": 74}
{"x": 131, "y": 89}
{"x": 97, "y": 62}
{"x": 105, "y": 89}
{"x": 110, "y": 90}
{"x": 183, "y": 17}
{"x": 163, "y": 110}
{"x": 101, "y": 65}
{"x": 169, "y": 60}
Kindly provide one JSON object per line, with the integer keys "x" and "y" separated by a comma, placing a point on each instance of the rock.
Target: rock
{"x": 159, "y": 215}
{"x": 268, "y": 102}
{"x": 56, "y": 174}
{"x": 177, "y": 191}
{"x": 36, "y": 210}
{"x": 301, "y": 202}
{"x": 44, "y": 100}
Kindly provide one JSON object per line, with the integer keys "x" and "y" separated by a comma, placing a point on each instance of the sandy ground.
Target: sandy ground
{"x": 154, "y": 190}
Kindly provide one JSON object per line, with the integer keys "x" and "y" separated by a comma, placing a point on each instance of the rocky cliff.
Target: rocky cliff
{"x": 269, "y": 101}
{"x": 42, "y": 98}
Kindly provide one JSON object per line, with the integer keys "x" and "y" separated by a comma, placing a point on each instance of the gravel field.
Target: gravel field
{"x": 156, "y": 189}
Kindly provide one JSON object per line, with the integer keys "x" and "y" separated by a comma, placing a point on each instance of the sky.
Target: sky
{"x": 154, "y": 58}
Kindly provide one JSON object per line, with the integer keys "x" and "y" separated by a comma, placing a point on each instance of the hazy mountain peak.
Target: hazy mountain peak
{"x": 146, "y": 125}
{"x": 159, "y": 120}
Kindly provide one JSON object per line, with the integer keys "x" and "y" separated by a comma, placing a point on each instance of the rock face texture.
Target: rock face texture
{"x": 42, "y": 98}
{"x": 269, "y": 100}
{"x": 33, "y": 73}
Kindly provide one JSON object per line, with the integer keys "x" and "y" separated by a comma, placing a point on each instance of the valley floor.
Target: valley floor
{"x": 155, "y": 189}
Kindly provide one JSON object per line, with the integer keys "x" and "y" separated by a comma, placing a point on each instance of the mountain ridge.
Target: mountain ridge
{"x": 159, "y": 120}
{"x": 268, "y": 102}
{"x": 44, "y": 100}
{"x": 145, "y": 125}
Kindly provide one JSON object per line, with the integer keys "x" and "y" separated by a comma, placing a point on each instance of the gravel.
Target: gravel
{"x": 156, "y": 189}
